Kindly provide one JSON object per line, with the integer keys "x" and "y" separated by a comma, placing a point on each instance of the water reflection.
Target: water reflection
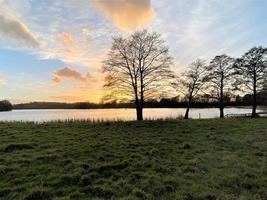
{"x": 113, "y": 114}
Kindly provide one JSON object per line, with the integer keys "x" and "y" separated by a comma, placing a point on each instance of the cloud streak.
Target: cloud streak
{"x": 204, "y": 29}
{"x": 18, "y": 31}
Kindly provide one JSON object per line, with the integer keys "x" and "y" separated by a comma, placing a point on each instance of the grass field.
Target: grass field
{"x": 190, "y": 160}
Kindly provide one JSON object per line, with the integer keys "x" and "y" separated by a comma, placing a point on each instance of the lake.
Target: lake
{"x": 114, "y": 114}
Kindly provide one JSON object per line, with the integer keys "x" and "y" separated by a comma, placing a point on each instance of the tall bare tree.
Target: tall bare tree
{"x": 137, "y": 68}
{"x": 220, "y": 72}
{"x": 190, "y": 82}
{"x": 251, "y": 69}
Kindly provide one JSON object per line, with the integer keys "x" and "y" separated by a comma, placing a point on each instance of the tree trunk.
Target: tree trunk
{"x": 139, "y": 113}
{"x": 139, "y": 110}
{"x": 221, "y": 105}
{"x": 141, "y": 105}
{"x": 221, "y": 112}
{"x": 138, "y": 107}
{"x": 221, "y": 98}
{"x": 254, "y": 106}
{"x": 188, "y": 107}
{"x": 187, "y": 112}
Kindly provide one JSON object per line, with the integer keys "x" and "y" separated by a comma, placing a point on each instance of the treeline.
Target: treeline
{"x": 78, "y": 105}
{"x": 175, "y": 102}
{"x": 5, "y": 106}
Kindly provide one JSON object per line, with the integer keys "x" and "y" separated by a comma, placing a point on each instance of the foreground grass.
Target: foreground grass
{"x": 195, "y": 159}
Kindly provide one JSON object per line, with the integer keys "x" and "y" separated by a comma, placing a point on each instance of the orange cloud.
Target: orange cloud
{"x": 85, "y": 87}
{"x": 69, "y": 74}
{"x": 67, "y": 40}
{"x": 74, "y": 50}
{"x": 127, "y": 15}
{"x": 56, "y": 79}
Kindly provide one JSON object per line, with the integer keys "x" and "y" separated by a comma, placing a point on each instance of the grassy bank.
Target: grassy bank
{"x": 195, "y": 159}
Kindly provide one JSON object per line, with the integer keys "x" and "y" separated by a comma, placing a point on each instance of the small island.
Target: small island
{"x": 5, "y": 106}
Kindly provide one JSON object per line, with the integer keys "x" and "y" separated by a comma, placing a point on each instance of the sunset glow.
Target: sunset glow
{"x": 53, "y": 50}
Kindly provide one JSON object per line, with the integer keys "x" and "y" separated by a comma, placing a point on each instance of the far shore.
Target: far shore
{"x": 59, "y": 108}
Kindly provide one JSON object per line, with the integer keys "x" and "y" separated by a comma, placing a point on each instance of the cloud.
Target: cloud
{"x": 56, "y": 79}
{"x": 16, "y": 30}
{"x": 2, "y": 82}
{"x": 85, "y": 86}
{"x": 73, "y": 49}
{"x": 86, "y": 32}
{"x": 203, "y": 29}
{"x": 127, "y": 15}
{"x": 67, "y": 40}
{"x": 63, "y": 47}
{"x": 77, "y": 35}
{"x": 69, "y": 74}
{"x": 56, "y": 33}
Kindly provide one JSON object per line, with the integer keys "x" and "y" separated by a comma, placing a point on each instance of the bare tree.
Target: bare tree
{"x": 251, "y": 69}
{"x": 219, "y": 76}
{"x": 137, "y": 68}
{"x": 190, "y": 82}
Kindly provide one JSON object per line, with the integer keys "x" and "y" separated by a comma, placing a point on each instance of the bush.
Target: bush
{"x": 5, "y": 106}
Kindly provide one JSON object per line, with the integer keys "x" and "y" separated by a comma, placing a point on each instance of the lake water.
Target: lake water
{"x": 114, "y": 114}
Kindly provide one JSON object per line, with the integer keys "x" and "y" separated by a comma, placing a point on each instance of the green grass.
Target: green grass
{"x": 190, "y": 160}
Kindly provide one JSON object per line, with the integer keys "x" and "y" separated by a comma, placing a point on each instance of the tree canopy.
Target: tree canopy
{"x": 137, "y": 68}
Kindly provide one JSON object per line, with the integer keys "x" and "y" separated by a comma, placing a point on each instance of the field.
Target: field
{"x": 190, "y": 160}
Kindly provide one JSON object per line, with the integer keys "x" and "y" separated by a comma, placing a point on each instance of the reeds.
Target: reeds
{"x": 91, "y": 120}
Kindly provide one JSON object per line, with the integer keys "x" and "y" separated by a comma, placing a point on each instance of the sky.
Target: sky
{"x": 52, "y": 50}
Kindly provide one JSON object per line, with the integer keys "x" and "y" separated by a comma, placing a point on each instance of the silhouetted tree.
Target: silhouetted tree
{"x": 219, "y": 76}
{"x": 137, "y": 68}
{"x": 191, "y": 82}
{"x": 251, "y": 69}
{"x": 5, "y": 105}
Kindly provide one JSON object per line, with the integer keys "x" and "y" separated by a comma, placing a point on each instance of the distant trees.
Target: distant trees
{"x": 251, "y": 71}
{"x": 191, "y": 82}
{"x": 137, "y": 68}
{"x": 5, "y": 105}
{"x": 219, "y": 75}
